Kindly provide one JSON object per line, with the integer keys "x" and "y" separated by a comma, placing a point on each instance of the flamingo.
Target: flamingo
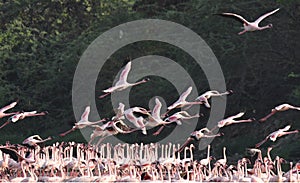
{"x": 274, "y": 135}
{"x": 280, "y": 108}
{"x": 181, "y": 115}
{"x": 155, "y": 118}
{"x": 197, "y": 135}
{"x": 3, "y": 109}
{"x": 34, "y": 140}
{"x": 122, "y": 83}
{"x": 231, "y": 120}
{"x": 251, "y": 26}
{"x": 109, "y": 129}
{"x": 22, "y": 115}
{"x": 135, "y": 115}
{"x": 207, "y": 95}
{"x": 181, "y": 102}
{"x": 224, "y": 160}
{"x": 83, "y": 122}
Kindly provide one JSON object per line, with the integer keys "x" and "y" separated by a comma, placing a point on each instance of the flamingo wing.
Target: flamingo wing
{"x": 85, "y": 115}
{"x": 156, "y": 109}
{"x": 285, "y": 128}
{"x": 238, "y": 17}
{"x": 124, "y": 74}
{"x": 265, "y": 16}
{"x": 237, "y": 115}
{"x": 3, "y": 109}
{"x": 185, "y": 94}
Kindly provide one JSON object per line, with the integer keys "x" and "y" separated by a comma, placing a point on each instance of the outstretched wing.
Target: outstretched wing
{"x": 264, "y": 16}
{"x": 86, "y": 113}
{"x": 8, "y": 107}
{"x": 185, "y": 94}
{"x": 156, "y": 109}
{"x": 236, "y": 16}
{"x": 124, "y": 74}
{"x": 237, "y": 116}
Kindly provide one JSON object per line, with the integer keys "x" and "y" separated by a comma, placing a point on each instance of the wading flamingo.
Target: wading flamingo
{"x": 122, "y": 83}
{"x": 22, "y": 115}
{"x": 83, "y": 122}
{"x": 251, "y": 26}
{"x": 274, "y": 135}
{"x": 280, "y": 108}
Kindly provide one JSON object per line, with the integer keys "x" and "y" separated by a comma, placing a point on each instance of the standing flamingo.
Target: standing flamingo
{"x": 122, "y": 83}
{"x": 22, "y": 115}
{"x": 280, "y": 108}
{"x": 83, "y": 122}
{"x": 207, "y": 95}
{"x": 3, "y": 109}
{"x": 251, "y": 26}
{"x": 274, "y": 135}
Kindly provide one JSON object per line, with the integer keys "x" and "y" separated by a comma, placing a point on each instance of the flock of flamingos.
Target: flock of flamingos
{"x": 101, "y": 162}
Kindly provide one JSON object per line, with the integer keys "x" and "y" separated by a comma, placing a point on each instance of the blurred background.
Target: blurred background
{"x": 41, "y": 43}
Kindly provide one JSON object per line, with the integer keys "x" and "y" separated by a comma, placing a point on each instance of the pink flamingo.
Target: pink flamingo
{"x": 231, "y": 120}
{"x": 22, "y": 115}
{"x": 34, "y": 140}
{"x": 122, "y": 83}
{"x": 155, "y": 118}
{"x": 252, "y": 26}
{"x": 274, "y": 135}
{"x": 280, "y": 108}
{"x": 181, "y": 102}
{"x": 207, "y": 95}
{"x": 3, "y": 109}
{"x": 131, "y": 114}
{"x": 109, "y": 129}
{"x": 181, "y": 115}
{"x": 83, "y": 122}
{"x": 197, "y": 135}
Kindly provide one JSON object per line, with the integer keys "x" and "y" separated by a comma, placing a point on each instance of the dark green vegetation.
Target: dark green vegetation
{"x": 41, "y": 43}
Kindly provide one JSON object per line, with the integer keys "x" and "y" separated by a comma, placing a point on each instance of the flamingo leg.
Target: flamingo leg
{"x": 261, "y": 143}
{"x": 184, "y": 144}
{"x": 104, "y": 95}
{"x": 6, "y": 123}
{"x": 240, "y": 33}
{"x": 159, "y": 130}
{"x": 266, "y": 117}
{"x": 67, "y": 132}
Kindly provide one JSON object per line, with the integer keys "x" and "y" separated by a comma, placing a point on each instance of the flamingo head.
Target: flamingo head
{"x": 270, "y": 25}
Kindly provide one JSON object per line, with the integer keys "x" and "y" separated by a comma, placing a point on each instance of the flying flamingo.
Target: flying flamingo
{"x": 155, "y": 118}
{"x": 34, "y": 140}
{"x": 136, "y": 116}
{"x": 197, "y": 135}
{"x": 122, "y": 83}
{"x": 3, "y": 109}
{"x": 207, "y": 95}
{"x": 83, "y": 122}
{"x": 108, "y": 129}
{"x": 251, "y": 26}
{"x": 274, "y": 135}
{"x": 22, "y": 115}
{"x": 181, "y": 102}
{"x": 280, "y": 108}
{"x": 181, "y": 115}
{"x": 231, "y": 120}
